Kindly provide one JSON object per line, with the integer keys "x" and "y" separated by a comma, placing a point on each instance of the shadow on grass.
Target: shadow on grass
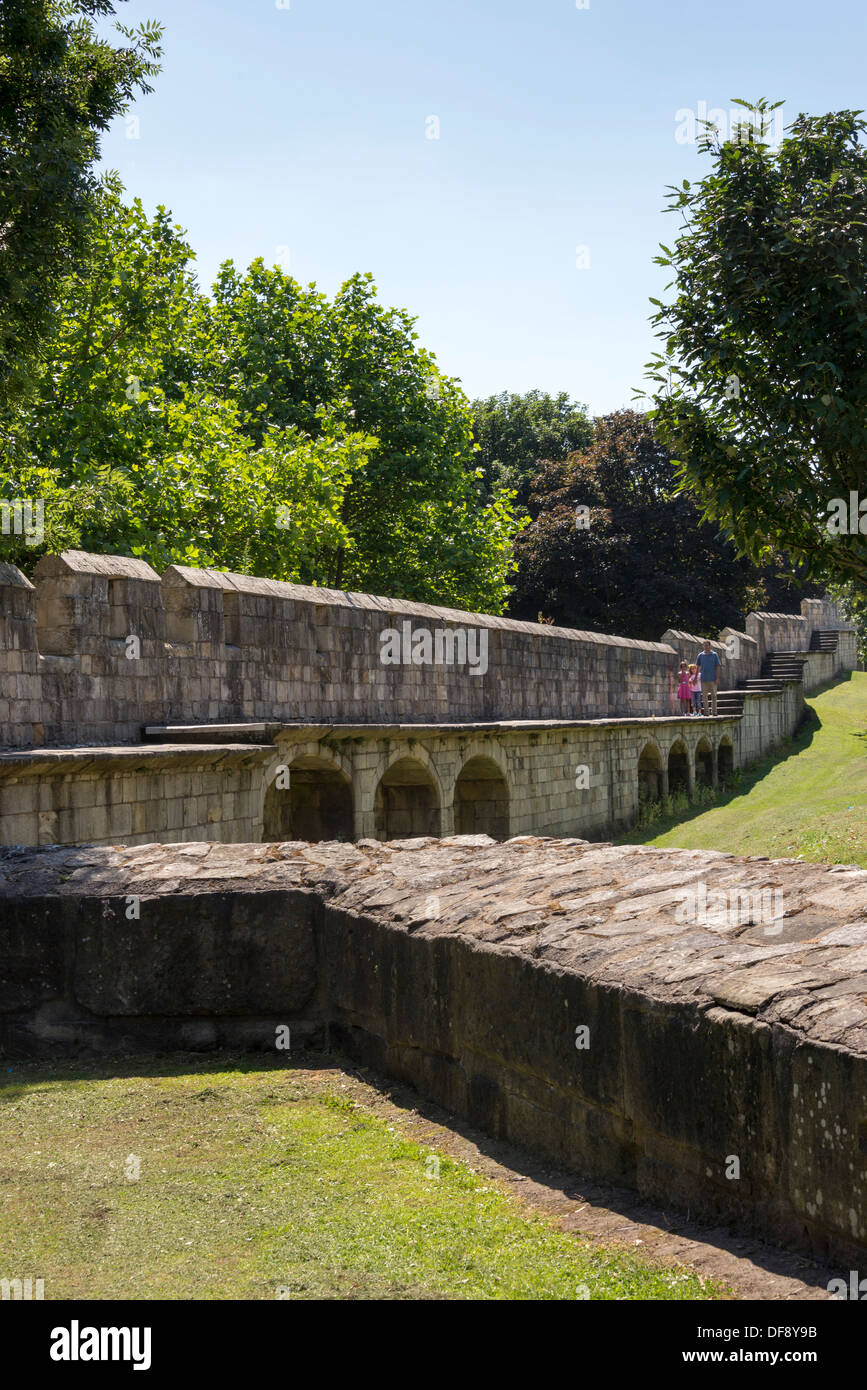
{"x": 752, "y": 775}
{"x": 464, "y": 1142}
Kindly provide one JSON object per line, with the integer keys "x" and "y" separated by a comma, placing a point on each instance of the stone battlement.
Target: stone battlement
{"x": 100, "y": 646}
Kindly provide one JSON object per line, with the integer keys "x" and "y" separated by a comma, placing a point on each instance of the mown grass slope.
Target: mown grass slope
{"x": 811, "y": 800}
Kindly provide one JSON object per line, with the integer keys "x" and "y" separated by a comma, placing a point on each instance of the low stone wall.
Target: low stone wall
{"x": 742, "y": 661}
{"x": 822, "y": 667}
{"x": 365, "y": 781}
{"x": 847, "y": 649}
{"x": 767, "y": 720}
{"x": 605, "y": 1007}
{"x": 779, "y": 632}
{"x": 132, "y": 795}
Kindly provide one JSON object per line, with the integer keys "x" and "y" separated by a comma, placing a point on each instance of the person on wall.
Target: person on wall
{"x": 684, "y": 694}
{"x": 695, "y": 688}
{"x": 708, "y": 664}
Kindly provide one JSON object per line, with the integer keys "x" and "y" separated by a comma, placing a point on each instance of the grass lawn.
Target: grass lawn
{"x": 811, "y": 800}
{"x": 261, "y": 1180}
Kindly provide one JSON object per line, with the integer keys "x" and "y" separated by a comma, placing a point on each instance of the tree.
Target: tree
{"x": 761, "y": 392}
{"x": 514, "y": 432}
{"x": 615, "y": 546}
{"x": 130, "y": 451}
{"x": 852, "y": 600}
{"x": 60, "y": 86}
{"x": 268, "y": 430}
{"x": 420, "y": 526}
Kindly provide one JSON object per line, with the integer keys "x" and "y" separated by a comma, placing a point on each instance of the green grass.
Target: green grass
{"x": 810, "y": 801}
{"x": 261, "y": 1180}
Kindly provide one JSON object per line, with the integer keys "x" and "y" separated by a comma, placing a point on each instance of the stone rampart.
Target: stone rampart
{"x": 114, "y": 648}
{"x": 518, "y": 728}
{"x": 101, "y": 646}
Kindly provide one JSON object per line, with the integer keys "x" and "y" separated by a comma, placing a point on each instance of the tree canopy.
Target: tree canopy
{"x": 615, "y": 546}
{"x": 60, "y": 86}
{"x": 265, "y": 429}
{"x": 515, "y": 432}
{"x": 761, "y": 390}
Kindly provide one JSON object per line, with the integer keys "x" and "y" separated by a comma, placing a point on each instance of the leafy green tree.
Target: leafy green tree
{"x": 761, "y": 392}
{"x": 289, "y": 356}
{"x": 247, "y": 432}
{"x": 852, "y": 600}
{"x": 616, "y": 546}
{"x": 514, "y": 432}
{"x": 131, "y": 452}
{"x": 60, "y": 86}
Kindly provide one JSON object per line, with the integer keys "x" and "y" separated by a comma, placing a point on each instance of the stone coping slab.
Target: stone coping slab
{"x": 128, "y": 758}
{"x": 611, "y": 913}
{"x": 273, "y": 730}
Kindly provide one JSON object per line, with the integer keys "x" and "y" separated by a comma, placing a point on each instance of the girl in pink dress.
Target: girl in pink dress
{"x": 695, "y": 687}
{"x": 684, "y": 694}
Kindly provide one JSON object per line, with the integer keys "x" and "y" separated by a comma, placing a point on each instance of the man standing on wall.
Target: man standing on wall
{"x": 708, "y": 664}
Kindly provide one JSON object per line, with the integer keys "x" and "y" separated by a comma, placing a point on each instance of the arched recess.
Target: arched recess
{"x": 407, "y": 802}
{"x": 704, "y": 764}
{"x": 649, "y": 773}
{"x": 482, "y": 800}
{"x": 725, "y": 761}
{"x": 316, "y": 805}
{"x": 678, "y": 767}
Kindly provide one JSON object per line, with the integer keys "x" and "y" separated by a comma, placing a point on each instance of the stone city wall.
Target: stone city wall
{"x": 560, "y": 734}
{"x": 351, "y": 782}
{"x": 100, "y": 646}
{"x": 118, "y": 648}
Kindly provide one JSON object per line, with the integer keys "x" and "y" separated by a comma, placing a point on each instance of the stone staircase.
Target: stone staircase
{"x": 823, "y": 642}
{"x": 730, "y": 702}
{"x": 777, "y": 668}
{"x": 784, "y": 666}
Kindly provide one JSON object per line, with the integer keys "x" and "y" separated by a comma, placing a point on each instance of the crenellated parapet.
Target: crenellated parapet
{"x": 99, "y": 646}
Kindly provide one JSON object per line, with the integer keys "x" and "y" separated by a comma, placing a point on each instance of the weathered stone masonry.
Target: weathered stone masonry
{"x": 465, "y": 967}
{"x": 236, "y": 678}
{"x": 203, "y": 707}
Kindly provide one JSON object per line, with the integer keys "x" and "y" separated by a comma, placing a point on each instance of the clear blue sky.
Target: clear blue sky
{"x": 305, "y": 128}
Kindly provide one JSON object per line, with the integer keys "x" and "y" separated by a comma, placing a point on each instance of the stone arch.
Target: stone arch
{"x": 725, "y": 760}
{"x": 481, "y": 799}
{"x": 678, "y": 767}
{"x": 316, "y": 805}
{"x": 407, "y": 804}
{"x": 650, "y": 773}
{"x": 703, "y": 763}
